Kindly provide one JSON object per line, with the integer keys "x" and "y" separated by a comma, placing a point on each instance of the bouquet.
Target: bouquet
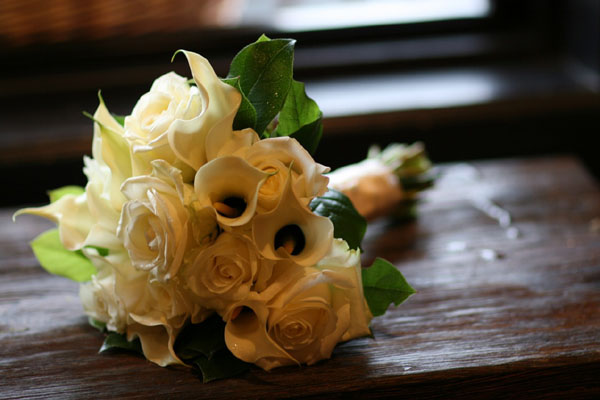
{"x": 206, "y": 234}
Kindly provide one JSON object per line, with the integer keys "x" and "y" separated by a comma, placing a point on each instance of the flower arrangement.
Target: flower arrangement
{"x": 206, "y": 234}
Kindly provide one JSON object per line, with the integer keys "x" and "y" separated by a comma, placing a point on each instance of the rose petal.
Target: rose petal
{"x": 310, "y": 180}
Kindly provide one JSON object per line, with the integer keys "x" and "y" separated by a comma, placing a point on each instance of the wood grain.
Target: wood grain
{"x": 525, "y": 324}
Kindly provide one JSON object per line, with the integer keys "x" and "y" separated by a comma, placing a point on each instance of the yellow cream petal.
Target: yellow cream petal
{"x": 247, "y": 338}
{"x": 113, "y": 150}
{"x": 221, "y": 101}
{"x": 72, "y": 216}
{"x": 157, "y": 343}
{"x": 317, "y": 230}
{"x": 289, "y": 151}
{"x": 223, "y": 141}
{"x": 229, "y": 176}
{"x": 342, "y": 264}
{"x": 104, "y": 118}
{"x": 98, "y": 191}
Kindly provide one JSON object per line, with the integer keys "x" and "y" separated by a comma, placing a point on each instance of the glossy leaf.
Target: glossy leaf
{"x": 222, "y": 365}
{"x": 246, "y": 114}
{"x": 384, "y": 284}
{"x": 118, "y": 341}
{"x": 264, "y": 69}
{"x": 301, "y": 118}
{"x": 310, "y": 135}
{"x": 119, "y": 118}
{"x": 57, "y": 260}
{"x": 205, "y": 339}
{"x": 63, "y": 191}
{"x": 102, "y": 251}
{"x": 348, "y": 224}
{"x": 101, "y": 326}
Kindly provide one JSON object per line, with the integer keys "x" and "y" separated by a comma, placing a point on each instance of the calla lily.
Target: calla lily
{"x": 220, "y": 102}
{"x": 247, "y": 338}
{"x": 229, "y": 143}
{"x": 98, "y": 191}
{"x": 157, "y": 342}
{"x": 72, "y": 216}
{"x": 292, "y": 231}
{"x": 230, "y": 185}
{"x": 110, "y": 148}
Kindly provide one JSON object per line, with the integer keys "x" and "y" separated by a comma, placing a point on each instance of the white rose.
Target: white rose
{"x": 226, "y": 271}
{"x": 282, "y": 157}
{"x": 100, "y": 301}
{"x": 302, "y": 324}
{"x": 154, "y": 222}
{"x": 156, "y": 311}
{"x": 183, "y": 124}
{"x": 341, "y": 261}
{"x": 169, "y": 100}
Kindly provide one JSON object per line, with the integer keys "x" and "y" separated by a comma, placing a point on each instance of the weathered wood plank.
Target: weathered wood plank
{"x": 500, "y": 310}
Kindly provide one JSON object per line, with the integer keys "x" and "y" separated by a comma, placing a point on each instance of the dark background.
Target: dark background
{"x": 537, "y": 62}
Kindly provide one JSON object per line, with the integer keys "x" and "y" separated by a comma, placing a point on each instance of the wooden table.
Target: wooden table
{"x": 505, "y": 308}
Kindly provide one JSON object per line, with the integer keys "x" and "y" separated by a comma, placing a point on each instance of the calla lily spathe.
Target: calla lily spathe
{"x": 317, "y": 231}
{"x": 111, "y": 149}
{"x": 196, "y": 140}
{"x": 229, "y": 177}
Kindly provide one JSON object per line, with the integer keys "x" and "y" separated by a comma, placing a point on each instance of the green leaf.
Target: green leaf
{"x": 348, "y": 224}
{"x": 118, "y": 341}
{"x": 246, "y": 114}
{"x": 406, "y": 210}
{"x": 222, "y": 365}
{"x": 263, "y": 38}
{"x": 102, "y": 251}
{"x": 301, "y": 118}
{"x": 383, "y": 284}
{"x": 310, "y": 135}
{"x": 57, "y": 260}
{"x": 204, "y": 339}
{"x": 119, "y": 118}
{"x": 101, "y": 326}
{"x": 204, "y": 345}
{"x": 264, "y": 69}
{"x": 63, "y": 191}
{"x": 417, "y": 183}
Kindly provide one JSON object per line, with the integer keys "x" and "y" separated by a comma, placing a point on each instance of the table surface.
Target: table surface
{"x": 505, "y": 256}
